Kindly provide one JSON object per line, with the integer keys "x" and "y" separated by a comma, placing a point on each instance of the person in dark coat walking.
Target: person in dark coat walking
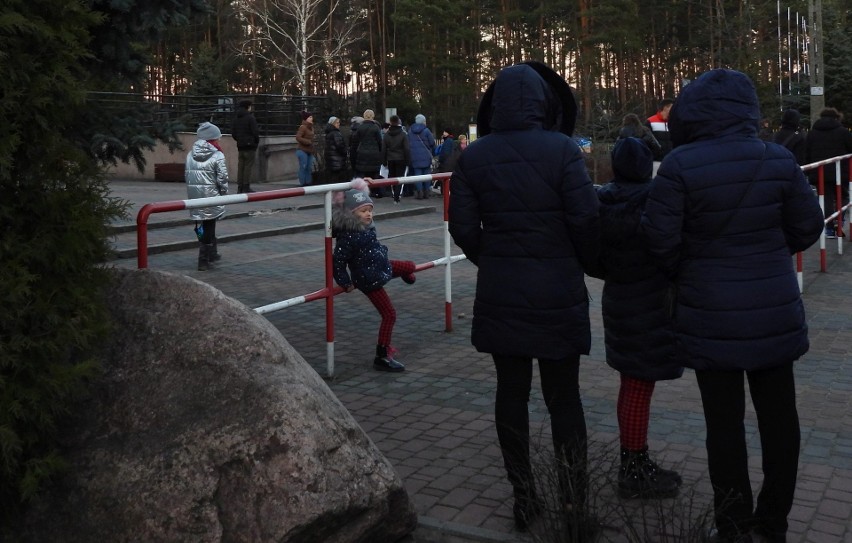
{"x": 396, "y": 153}
{"x": 525, "y": 212}
{"x": 725, "y": 212}
{"x": 828, "y": 138}
{"x": 335, "y": 152}
{"x": 247, "y": 136}
{"x": 790, "y": 137}
{"x": 638, "y": 331}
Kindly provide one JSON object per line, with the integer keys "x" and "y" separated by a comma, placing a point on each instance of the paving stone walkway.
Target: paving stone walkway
{"x": 435, "y": 421}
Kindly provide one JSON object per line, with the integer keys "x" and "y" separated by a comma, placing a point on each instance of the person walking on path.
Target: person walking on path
{"x": 396, "y": 153}
{"x": 525, "y": 212}
{"x": 335, "y": 152}
{"x": 369, "y": 269}
{"x": 206, "y": 175}
{"x": 247, "y": 136}
{"x": 422, "y": 144}
{"x": 724, "y": 213}
{"x": 638, "y": 331}
{"x": 828, "y": 138}
{"x": 305, "y": 152}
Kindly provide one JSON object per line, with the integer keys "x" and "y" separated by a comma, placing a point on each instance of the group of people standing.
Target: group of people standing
{"x": 826, "y": 138}
{"x": 373, "y": 145}
{"x": 697, "y": 271}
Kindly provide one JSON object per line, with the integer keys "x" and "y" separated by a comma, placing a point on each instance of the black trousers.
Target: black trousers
{"x": 396, "y": 168}
{"x": 209, "y": 235}
{"x": 561, "y": 390}
{"x": 773, "y": 394}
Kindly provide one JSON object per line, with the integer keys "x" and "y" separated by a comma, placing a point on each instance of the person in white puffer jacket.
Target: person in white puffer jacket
{"x": 206, "y": 175}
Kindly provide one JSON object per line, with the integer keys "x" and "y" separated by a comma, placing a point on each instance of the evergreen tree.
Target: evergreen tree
{"x": 54, "y": 209}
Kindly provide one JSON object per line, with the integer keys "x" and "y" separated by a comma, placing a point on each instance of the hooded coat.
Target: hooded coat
{"x": 724, "y": 214}
{"x": 524, "y": 210}
{"x": 359, "y": 258}
{"x": 206, "y": 175}
{"x": 638, "y": 331}
{"x": 422, "y": 144}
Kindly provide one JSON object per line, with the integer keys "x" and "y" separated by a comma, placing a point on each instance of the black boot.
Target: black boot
{"x": 385, "y": 362}
{"x": 214, "y": 251}
{"x": 527, "y": 506}
{"x": 641, "y": 477}
{"x": 204, "y": 251}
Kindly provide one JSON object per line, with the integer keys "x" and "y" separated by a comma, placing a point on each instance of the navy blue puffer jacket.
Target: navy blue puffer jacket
{"x": 523, "y": 209}
{"x": 724, "y": 214}
{"x": 638, "y": 330}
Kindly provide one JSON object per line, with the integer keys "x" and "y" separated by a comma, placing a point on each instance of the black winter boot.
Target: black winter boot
{"x": 641, "y": 477}
{"x": 204, "y": 251}
{"x": 527, "y": 506}
{"x": 385, "y": 362}
{"x": 214, "y": 251}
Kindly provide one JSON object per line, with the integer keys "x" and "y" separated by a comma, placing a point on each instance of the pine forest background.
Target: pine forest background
{"x": 437, "y": 56}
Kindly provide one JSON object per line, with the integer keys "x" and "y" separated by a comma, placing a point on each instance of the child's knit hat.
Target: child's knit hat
{"x": 355, "y": 199}
{"x": 208, "y": 131}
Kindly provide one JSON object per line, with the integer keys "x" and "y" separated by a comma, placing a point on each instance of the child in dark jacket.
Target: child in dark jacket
{"x": 369, "y": 268}
{"x": 637, "y": 326}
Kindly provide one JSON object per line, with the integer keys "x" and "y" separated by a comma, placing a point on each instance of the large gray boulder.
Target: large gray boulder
{"x": 207, "y": 426}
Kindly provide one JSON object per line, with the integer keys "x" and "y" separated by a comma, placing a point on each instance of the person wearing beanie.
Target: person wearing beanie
{"x": 360, "y": 261}
{"x": 305, "y": 151}
{"x": 335, "y": 152}
{"x": 422, "y": 144}
{"x": 525, "y": 212}
{"x": 789, "y": 135}
{"x": 247, "y": 136}
{"x": 206, "y": 175}
{"x": 635, "y": 312}
{"x": 828, "y": 138}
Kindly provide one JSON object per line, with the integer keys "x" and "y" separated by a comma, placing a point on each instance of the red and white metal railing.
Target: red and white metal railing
{"x": 836, "y": 213}
{"x": 330, "y": 290}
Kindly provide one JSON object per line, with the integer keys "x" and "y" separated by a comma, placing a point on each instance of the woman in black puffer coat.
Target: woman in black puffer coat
{"x": 524, "y": 211}
{"x": 335, "y": 152}
{"x": 637, "y": 326}
{"x": 724, "y": 214}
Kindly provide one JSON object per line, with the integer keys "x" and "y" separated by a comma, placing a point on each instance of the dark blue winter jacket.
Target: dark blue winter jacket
{"x": 358, "y": 249}
{"x": 523, "y": 209}
{"x": 638, "y": 331}
{"x": 724, "y": 214}
{"x": 422, "y": 144}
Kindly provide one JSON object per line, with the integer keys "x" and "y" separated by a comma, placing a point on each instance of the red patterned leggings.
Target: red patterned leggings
{"x": 382, "y": 302}
{"x": 634, "y": 410}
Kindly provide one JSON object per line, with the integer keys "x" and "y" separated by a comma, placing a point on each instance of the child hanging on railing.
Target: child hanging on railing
{"x": 369, "y": 268}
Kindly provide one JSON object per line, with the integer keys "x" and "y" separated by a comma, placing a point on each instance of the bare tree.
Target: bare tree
{"x": 299, "y": 36}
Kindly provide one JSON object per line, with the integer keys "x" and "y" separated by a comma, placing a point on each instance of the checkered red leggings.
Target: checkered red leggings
{"x": 634, "y": 410}
{"x": 382, "y": 302}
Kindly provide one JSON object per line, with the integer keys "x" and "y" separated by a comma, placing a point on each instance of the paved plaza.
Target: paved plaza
{"x": 435, "y": 422}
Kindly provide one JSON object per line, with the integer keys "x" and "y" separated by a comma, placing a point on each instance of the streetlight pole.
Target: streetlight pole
{"x": 815, "y": 59}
